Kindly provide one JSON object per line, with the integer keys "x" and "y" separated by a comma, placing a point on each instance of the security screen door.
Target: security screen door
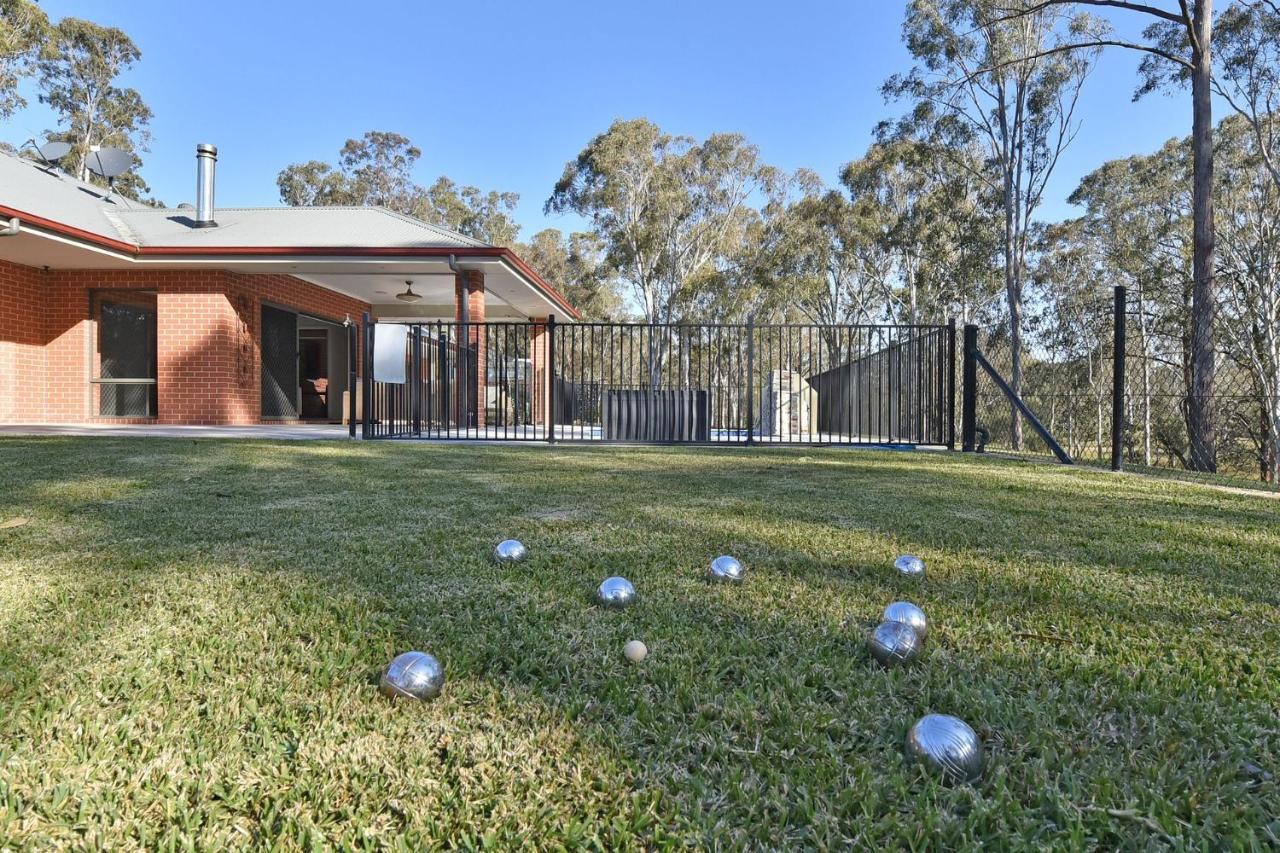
{"x": 279, "y": 363}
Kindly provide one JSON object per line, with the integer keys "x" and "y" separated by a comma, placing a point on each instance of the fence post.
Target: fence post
{"x": 366, "y": 414}
{"x": 1117, "y": 380}
{"x": 415, "y": 377}
{"x": 551, "y": 379}
{"x": 969, "y": 404}
{"x": 751, "y": 380}
{"x": 951, "y": 384}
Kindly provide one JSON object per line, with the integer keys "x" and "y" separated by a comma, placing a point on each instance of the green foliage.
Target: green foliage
{"x": 189, "y": 652}
{"x": 78, "y": 72}
{"x": 24, "y": 30}
{"x": 377, "y": 169}
{"x": 667, "y": 208}
{"x": 575, "y": 264}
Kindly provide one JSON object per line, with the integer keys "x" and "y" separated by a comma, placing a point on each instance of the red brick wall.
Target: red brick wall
{"x": 22, "y": 355}
{"x": 209, "y": 367}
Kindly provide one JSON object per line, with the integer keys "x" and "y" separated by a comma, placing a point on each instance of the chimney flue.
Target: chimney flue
{"x": 206, "y": 159}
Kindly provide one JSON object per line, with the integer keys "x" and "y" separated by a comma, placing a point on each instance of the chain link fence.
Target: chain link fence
{"x": 1068, "y": 374}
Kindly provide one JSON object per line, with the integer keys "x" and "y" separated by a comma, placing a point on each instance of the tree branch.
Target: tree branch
{"x": 1118, "y": 4}
{"x": 1063, "y": 48}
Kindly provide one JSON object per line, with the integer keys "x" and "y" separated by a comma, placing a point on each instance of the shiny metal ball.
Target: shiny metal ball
{"x": 510, "y": 551}
{"x": 727, "y": 568}
{"x": 412, "y": 675}
{"x": 909, "y": 565}
{"x": 616, "y": 593}
{"x": 946, "y": 744}
{"x": 893, "y": 643}
{"x": 909, "y": 614}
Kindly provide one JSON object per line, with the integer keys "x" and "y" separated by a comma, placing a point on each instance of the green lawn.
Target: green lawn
{"x": 191, "y": 635}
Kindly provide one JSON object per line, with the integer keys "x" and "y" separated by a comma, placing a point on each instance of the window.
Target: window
{"x": 126, "y": 380}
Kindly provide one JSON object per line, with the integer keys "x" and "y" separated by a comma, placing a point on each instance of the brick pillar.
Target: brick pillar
{"x": 541, "y": 375}
{"x": 468, "y": 290}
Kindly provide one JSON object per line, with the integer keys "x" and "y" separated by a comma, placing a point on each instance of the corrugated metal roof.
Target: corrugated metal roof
{"x": 52, "y": 195}
{"x": 25, "y": 185}
{"x": 286, "y": 226}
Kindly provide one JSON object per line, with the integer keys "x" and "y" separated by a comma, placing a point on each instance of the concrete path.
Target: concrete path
{"x": 269, "y": 431}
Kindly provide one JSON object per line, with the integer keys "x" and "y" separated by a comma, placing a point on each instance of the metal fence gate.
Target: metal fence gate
{"x": 667, "y": 383}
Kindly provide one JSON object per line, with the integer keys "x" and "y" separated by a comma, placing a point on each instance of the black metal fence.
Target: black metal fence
{"x": 668, "y": 383}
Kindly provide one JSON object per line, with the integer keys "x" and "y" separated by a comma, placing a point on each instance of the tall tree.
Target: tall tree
{"x": 1247, "y": 44}
{"x": 377, "y": 169}
{"x": 78, "y": 81}
{"x": 575, "y": 264}
{"x": 24, "y": 29}
{"x": 1178, "y": 51}
{"x": 667, "y": 207}
{"x": 985, "y": 74}
{"x": 470, "y": 210}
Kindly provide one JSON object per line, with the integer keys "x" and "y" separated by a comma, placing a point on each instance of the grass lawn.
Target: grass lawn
{"x": 191, "y": 636}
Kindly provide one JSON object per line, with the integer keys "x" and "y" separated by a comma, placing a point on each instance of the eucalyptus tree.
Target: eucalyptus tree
{"x": 377, "y": 169}
{"x": 1138, "y": 213}
{"x": 79, "y": 71}
{"x": 24, "y": 30}
{"x": 574, "y": 263}
{"x": 667, "y": 207}
{"x": 670, "y": 211}
{"x": 1178, "y": 48}
{"x": 1003, "y": 79}
{"x": 1249, "y": 274}
{"x": 1247, "y": 75}
{"x": 929, "y": 215}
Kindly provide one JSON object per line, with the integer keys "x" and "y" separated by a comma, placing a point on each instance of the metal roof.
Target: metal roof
{"x": 30, "y": 187}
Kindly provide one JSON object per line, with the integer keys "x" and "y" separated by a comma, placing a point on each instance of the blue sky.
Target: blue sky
{"x": 501, "y": 94}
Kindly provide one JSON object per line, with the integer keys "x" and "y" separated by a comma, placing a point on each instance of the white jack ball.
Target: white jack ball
{"x": 635, "y": 651}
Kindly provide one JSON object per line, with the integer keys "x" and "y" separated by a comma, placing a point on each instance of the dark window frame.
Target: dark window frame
{"x": 125, "y": 397}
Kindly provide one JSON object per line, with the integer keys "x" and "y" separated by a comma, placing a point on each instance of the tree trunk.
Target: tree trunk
{"x": 1200, "y": 413}
{"x": 1013, "y": 295}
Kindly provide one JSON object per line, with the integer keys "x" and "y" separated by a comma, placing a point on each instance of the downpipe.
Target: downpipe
{"x": 11, "y": 228}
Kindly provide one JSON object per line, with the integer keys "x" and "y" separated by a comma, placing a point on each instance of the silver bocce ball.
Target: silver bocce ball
{"x": 893, "y": 643}
{"x": 909, "y": 565}
{"x": 412, "y": 675}
{"x": 947, "y": 745}
{"x": 727, "y": 569}
{"x": 510, "y": 551}
{"x": 616, "y": 593}
{"x": 908, "y": 614}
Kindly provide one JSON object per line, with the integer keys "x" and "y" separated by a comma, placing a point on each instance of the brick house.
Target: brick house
{"x": 111, "y": 311}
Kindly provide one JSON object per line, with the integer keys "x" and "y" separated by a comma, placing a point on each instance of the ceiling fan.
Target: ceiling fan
{"x": 408, "y": 295}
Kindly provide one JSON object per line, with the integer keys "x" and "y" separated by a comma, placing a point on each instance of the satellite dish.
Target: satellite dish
{"x": 52, "y": 152}
{"x": 109, "y": 162}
